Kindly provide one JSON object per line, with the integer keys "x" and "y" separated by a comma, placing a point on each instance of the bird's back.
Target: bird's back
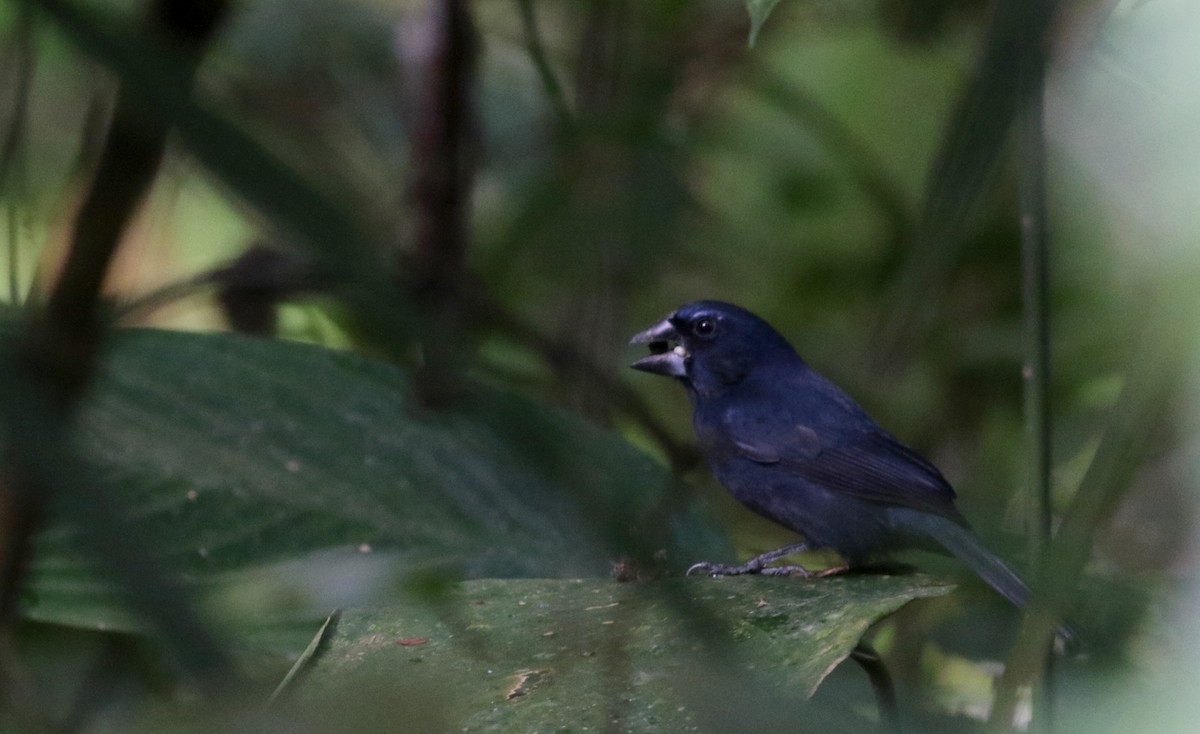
{"x": 796, "y": 449}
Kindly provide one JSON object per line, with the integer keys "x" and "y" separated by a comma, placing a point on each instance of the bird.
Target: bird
{"x": 794, "y": 448}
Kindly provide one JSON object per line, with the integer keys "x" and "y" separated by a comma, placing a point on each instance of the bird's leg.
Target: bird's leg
{"x": 757, "y": 564}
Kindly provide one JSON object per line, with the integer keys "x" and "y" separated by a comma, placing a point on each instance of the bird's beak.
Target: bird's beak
{"x": 667, "y": 356}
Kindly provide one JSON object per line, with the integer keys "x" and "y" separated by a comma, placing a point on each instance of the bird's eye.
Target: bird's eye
{"x": 705, "y": 327}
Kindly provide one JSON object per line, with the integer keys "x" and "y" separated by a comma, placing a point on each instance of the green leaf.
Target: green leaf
{"x": 269, "y": 472}
{"x": 538, "y": 655}
{"x": 759, "y": 10}
{"x": 965, "y": 167}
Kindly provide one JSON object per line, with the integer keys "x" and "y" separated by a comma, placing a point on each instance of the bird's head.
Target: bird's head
{"x": 710, "y": 345}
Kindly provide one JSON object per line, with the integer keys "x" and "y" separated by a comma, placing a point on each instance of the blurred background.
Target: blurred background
{"x": 854, "y": 176}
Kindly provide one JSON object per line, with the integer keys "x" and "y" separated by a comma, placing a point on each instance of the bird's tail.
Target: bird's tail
{"x": 966, "y": 546}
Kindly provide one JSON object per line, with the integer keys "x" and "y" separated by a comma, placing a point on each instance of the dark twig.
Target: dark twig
{"x": 1165, "y": 344}
{"x": 297, "y": 208}
{"x": 12, "y": 150}
{"x": 443, "y": 147}
{"x": 881, "y": 684}
{"x": 249, "y": 288}
{"x": 142, "y": 306}
{"x": 52, "y": 362}
{"x": 1035, "y": 291}
{"x": 128, "y": 163}
{"x": 1035, "y": 263}
{"x": 444, "y": 150}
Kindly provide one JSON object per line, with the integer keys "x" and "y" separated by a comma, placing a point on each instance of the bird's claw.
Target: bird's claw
{"x": 716, "y": 570}
{"x": 711, "y": 569}
{"x": 757, "y": 564}
{"x": 800, "y": 571}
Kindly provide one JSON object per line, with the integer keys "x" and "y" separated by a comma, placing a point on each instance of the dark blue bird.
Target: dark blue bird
{"x": 797, "y": 450}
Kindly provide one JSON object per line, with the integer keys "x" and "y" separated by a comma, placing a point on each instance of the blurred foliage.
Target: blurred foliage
{"x": 570, "y": 654}
{"x": 849, "y": 177}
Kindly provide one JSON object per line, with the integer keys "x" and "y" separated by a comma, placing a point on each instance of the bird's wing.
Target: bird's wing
{"x": 869, "y": 464}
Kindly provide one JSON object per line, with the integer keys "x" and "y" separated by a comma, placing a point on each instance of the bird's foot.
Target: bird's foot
{"x": 800, "y": 571}
{"x": 803, "y": 572}
{"x": 722, "y": 569}
{"x": 758, "y": 565}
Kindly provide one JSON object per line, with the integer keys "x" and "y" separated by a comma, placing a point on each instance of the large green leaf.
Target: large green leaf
{"x": 594, "y": 655}
{"x": 226, "y": 453}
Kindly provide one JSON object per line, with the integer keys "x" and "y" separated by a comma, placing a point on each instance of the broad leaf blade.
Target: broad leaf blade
{"x": 228, "y": 453}
{"x": 553, "y": 655}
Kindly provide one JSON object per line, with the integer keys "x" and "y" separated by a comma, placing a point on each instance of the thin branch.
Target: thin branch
{"x": 12, "y": 150}
{"x": 444, "y": 148}
{"x": 1035, "y": 291}
{"x": 302, "y": 210}
{"x": 140, "y": 307}
{"x": 1156, "y": 362}
{"x": 128, "y": 164}
{"x": 881, "y": 684}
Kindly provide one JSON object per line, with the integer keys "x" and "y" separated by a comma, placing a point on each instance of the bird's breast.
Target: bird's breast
{"x": 826, "y": 519}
